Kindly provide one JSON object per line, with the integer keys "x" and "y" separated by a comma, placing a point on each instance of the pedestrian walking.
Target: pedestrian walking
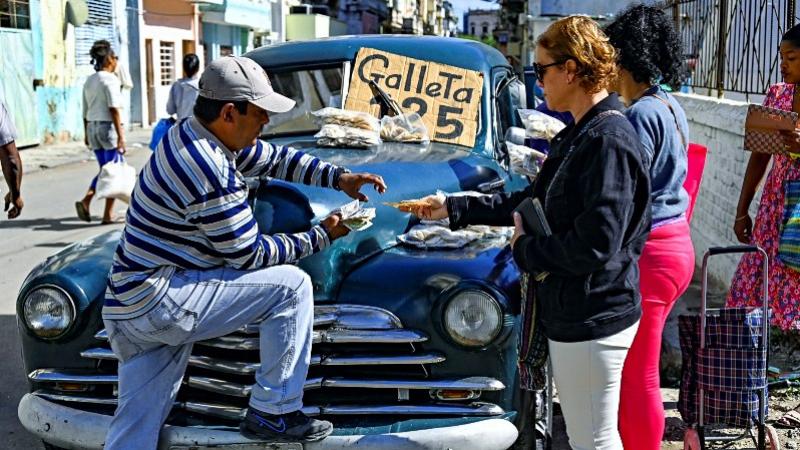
{"x": 595, "y": 190}
{"x": 765, "y": 231}
{"x": 102, "y": 122}
{"x": 11, "y": 164}
{"x": 192, "y": 264}
{"x": 183, "y": 92}
{"x": 650, "y": 54}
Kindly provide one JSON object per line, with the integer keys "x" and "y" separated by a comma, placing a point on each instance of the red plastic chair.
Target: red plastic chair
{"x": 694, "y": 175}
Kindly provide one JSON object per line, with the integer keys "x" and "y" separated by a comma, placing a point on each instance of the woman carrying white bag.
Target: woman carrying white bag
{"x": 116, "y": 181}
{"x": 104, "y": 134}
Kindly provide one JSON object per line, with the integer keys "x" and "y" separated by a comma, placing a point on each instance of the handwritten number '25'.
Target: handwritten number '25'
{"x": 442, "y": 121}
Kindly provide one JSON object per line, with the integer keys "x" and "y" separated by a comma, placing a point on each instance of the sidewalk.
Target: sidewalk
{"x": 42, "y": 157}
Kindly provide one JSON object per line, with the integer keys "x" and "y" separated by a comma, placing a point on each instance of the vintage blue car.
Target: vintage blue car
{"x": 413, "y": 349}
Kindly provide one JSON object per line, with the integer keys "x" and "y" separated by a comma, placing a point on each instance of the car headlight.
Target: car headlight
{"x": 48, "y": 312}
{"x": 473, "y": 318}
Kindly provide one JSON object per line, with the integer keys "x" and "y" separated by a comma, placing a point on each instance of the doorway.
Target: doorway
{"x": 151, "y": 87}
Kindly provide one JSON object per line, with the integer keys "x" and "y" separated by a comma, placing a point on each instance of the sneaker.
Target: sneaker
{"x": 293, "y": 426}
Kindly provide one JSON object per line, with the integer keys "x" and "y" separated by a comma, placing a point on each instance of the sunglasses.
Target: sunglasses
{"x": 541, "y": 69}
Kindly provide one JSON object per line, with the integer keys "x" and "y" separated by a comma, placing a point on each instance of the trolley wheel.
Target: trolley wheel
{"x": 691, "y": 440}
{"x": 773, "y": 441}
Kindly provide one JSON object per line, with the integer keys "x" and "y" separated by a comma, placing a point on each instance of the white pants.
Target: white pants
{"x": 588, "y": 376}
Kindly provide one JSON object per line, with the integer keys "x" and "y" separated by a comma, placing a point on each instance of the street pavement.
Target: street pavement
{"x": 55, "y": 177}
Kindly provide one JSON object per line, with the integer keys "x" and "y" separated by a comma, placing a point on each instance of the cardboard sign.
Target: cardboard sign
{"x": 448, "y": 98}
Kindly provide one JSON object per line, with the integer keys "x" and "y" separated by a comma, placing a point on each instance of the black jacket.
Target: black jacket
{"x": 598, "y": 207}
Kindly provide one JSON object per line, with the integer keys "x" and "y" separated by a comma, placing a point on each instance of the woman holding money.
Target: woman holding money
{"x": 595, "y": 192}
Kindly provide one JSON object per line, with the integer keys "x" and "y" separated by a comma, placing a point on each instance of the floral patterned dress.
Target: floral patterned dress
{"x": 784, "y": 283}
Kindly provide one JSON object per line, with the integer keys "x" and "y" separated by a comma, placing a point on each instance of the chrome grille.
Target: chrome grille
{"x": 364, "y": 362}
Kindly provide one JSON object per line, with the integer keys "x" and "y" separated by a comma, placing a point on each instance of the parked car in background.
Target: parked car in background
{"x": 413, "y": 349}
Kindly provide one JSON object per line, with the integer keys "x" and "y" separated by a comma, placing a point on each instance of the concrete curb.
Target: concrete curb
{"x": 45, "y": 157}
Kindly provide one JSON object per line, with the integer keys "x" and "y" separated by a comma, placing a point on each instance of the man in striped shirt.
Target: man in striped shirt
{"x": 192, "y": 264}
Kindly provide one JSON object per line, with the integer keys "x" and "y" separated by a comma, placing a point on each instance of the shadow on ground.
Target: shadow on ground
{"x": 58, "y": 224}
{"x": 12, "y": 388}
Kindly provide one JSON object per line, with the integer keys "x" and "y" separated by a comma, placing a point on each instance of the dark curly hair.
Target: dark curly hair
{"x": 647, "y": 45}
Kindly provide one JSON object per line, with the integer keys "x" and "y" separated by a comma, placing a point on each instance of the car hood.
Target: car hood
{"x": 410, "y": 171}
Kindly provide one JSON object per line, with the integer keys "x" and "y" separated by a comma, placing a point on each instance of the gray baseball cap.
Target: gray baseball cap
{"x": 236, "y": 78}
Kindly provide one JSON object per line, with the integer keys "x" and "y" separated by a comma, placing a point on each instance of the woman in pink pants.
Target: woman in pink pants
{"x": 650, "y": 55}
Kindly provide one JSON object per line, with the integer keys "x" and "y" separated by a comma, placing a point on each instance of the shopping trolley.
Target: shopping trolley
{"x": 724, "y": 373}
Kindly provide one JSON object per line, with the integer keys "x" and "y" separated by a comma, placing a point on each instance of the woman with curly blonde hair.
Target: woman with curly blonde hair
{"x": 595, "y": 191}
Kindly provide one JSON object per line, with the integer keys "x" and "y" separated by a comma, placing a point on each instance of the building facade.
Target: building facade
{"x": 481, "y": 23}
{"x": 450, "y": 23}
{"x": 539, "y": 14}
{"x": 48, "y": 69}
{"x": 405, "y": 17}
{"x": 307, "y": 22}
{"x": 167, "y": 30}
{"x": 45, "y": 68}
{"x": 229, "y": 26}
{"x": 364, "y": 16}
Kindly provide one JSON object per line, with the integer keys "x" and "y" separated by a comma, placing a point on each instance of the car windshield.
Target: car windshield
{"x": 312, "y": 90}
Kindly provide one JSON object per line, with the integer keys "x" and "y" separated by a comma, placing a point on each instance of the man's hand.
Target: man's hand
{"x": 435, "y": 210}
{"x": 518, "y": 229}
{"x": 334, "y": 226}
{"x": 16, "y": 206}
{"x": 350, "y": 184}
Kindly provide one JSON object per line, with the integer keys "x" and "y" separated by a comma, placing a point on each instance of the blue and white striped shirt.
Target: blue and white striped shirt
{"x": 189, "y": 210}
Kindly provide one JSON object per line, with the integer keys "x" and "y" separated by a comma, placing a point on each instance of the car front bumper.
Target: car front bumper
{"x": 75, "y": 429}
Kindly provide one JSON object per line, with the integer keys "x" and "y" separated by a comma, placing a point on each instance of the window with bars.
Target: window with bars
{"x": 167, "y": 58}
{"x": 99, "y": 25}
{"x": 15, "y": 14}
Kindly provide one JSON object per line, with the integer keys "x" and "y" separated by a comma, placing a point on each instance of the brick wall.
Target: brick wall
{"x": 718, "y": 124}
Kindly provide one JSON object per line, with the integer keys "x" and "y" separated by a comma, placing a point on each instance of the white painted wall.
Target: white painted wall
{"x": 719, "y": 125}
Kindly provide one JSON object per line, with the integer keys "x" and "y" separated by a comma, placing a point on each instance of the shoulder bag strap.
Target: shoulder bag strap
{"x": 675, "y": 117}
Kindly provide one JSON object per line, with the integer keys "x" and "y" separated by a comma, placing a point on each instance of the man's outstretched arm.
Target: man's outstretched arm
{"x": 289, "y": 164}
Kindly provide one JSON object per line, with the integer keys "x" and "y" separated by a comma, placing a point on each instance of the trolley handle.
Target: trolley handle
{"x": 732, "y": 249}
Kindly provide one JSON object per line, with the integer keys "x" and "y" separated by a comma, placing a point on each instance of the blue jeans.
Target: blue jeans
{"x": 153, "y": 349}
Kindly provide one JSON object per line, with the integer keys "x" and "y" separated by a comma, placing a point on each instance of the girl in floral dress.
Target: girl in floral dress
{"x": 784, "y": 282}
